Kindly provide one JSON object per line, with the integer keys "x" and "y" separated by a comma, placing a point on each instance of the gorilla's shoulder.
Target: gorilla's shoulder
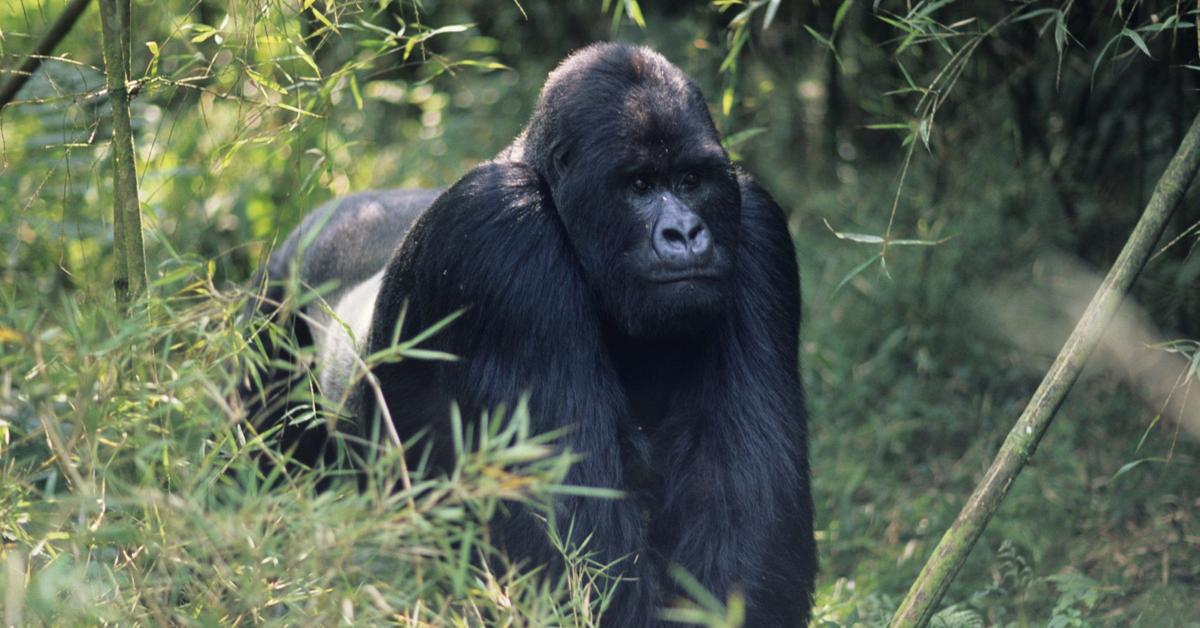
{"x": 496, "y": 214}
{"x": 512, "y": 181}
{"x": 495, "y": 195}
{"x": 491, "y": 241}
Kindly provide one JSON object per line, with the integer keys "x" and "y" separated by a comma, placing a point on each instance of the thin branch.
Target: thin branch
{"x": 55, "y": 441}
{"x": 951, "y": 552}
{"x": 60, "y": 28}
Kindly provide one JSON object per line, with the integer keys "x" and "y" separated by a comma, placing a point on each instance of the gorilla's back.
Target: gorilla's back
{"x": 350, "y": 238}
{"x": 346, "y": 242}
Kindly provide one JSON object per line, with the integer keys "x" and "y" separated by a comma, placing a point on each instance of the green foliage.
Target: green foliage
{"x": 132, "y": 493}
{"x": 959, "y": 143}
{"x": 1077, "y": 595}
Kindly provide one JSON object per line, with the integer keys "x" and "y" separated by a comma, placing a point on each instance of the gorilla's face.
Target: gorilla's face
{"x": 647, "y": 195}
{"x": 653, "y": 212}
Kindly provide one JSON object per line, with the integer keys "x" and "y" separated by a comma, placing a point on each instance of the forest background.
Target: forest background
{"x": 958, "y": 176}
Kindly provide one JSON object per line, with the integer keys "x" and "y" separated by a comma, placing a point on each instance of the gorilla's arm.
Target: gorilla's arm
{"x": 747, "y": 467}
{"x": 493, "y": 247}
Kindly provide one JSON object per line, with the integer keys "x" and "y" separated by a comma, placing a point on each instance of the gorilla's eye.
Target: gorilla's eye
{"x": 640, "y": 185}
{"x": 690, "y": 180}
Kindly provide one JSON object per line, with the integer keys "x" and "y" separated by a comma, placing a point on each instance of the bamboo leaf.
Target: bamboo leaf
{"x": 1137, "y": 41}
{"x": 306, "y": 58}
{"x": 635, "y": 13}
{"x": 428, "y": 332}
{"x": 741, "y": 136}
{"x": 854, "y": 237}
{"x": 1103, "y": 52}
{"x": 354, "y": 91}
{"x": 840, "y": 16}
{"x": 1034, "y": 14}
{"x": 772, "y": 8}
{"x": 1129, "y": 466}
{"x": 912, "y": 242}
{"x": 824, "y": 41}
{"x": 739, "y": 39}
{"x": 265, "y": 81}
{"x": 856, "y": 271}
{"x": 323, "y": 20}
{"x": 429, "y": 354}
{"x": 204, "y": 32}
{"x": 864, "y": 238}
{"x": 481, "y": 63}
{"x": 298, "y": 110}
{"x": 585, "y": 491}
{"x": 1060, "y": 32}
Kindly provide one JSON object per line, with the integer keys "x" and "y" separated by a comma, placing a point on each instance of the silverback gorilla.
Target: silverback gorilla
{"x": 614, "y": 265}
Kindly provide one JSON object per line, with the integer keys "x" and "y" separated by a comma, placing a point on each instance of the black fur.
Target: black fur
{"x": 684, "y": 393}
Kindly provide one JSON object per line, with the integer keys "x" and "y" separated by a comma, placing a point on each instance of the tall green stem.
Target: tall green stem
{"x": 128, "y": 249}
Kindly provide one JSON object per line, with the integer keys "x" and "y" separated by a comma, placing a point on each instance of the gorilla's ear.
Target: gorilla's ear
{"x": 560, "y": 160}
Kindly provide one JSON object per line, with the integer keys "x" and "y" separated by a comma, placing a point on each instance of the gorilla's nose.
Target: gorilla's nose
{"x": 682, "y": 239}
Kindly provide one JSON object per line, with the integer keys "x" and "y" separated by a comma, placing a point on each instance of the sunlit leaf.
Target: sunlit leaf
{"x": 354, "y": 91}
{"x": 9, "y": 335}
{"x": 741, "y": 136}
{"x": 265, "y": 81}
{"x": 323, "y": 20}
{"x": 635, "y": 13}
{"x": 854, "y": 237}
{"x": 429, "y": 354}
{"x": 306, "y": 58}
{"x": 302, "y": 112}
{"x": 769, "y": 16}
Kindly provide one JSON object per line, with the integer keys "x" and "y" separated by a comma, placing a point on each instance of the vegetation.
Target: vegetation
{"x": 958, "y": 175}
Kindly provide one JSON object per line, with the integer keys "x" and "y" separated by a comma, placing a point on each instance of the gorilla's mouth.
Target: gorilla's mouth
{"x": 700, "y": 274}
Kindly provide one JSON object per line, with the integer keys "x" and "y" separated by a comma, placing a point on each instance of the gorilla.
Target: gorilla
{"x": 613, "y": 266}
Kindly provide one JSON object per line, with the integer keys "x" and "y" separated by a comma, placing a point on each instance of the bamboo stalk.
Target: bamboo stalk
{"x": 130, "y": 277}
{"x": 951, "y": 552}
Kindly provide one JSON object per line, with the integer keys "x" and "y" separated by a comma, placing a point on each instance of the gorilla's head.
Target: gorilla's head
{"x": 648, "y": 197}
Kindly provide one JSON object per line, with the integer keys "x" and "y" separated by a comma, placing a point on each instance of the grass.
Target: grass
{"x": 131, "y": 492}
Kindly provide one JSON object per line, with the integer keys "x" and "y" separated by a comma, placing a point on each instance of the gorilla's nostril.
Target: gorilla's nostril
{"x": 680, "y": 237}
{"x": 673, "y": 236}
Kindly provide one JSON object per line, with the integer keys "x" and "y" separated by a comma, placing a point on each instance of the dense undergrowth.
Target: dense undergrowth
{"x": 130, "y": 489}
